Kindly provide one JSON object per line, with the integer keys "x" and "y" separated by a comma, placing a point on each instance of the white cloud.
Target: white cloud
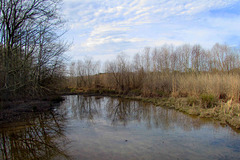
{"x": 107, "y": 27}
{"x": 93, "y": 42}
{"x": 101, "y": 29}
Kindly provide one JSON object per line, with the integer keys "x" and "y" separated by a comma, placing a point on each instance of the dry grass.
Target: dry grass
{"x": 203, "y": 94}
{"x": 222, "y": 86}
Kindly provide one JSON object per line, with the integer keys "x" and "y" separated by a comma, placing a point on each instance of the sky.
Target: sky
{"x": 101, "y": 29}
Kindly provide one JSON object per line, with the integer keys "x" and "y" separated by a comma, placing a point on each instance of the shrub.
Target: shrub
{"x": 208, "y": 100}
{"x": 73, "y": 90}
{"x": 107, "y": 91}
{"x": 161, "y": 93}
{"x": 135, "y": 92}
{"x": 223, "y": 96}
{"x": 192, "y": 101}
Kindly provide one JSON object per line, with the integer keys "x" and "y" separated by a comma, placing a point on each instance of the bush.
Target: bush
{"x": 73, "y": 90}
{"x": 223, "y": 96}
{"x": 161, "y": 93}
{"x": 192, "y": 101}
{"x": 135, "y": 92}
{"x": 208, "y": 100}
{"x": 107, "y": 91}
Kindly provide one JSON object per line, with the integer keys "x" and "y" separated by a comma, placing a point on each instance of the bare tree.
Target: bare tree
{"x": 119, "y": 72}
{"x": 221, "y": 53}
{"x": 86, "y": 69}
{"x": 31, "y": 49}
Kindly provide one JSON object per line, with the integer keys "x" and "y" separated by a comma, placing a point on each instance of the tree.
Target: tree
{"x": 31, "y": 50}
{"x": 119, "y": 72}
{"x": 86, "y": 69}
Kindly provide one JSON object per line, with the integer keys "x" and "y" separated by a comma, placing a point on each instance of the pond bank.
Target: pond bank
{"x": 19, "y": 109}
{"x": 89, "y": 127}
{"x": 228, "y": 113}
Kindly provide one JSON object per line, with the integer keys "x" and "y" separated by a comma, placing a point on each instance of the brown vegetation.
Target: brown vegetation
{"x": 207, "y": 79}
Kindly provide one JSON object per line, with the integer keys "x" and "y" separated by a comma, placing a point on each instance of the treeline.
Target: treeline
{"x": 180, "y": 71}
{"x": 31, "y": 49}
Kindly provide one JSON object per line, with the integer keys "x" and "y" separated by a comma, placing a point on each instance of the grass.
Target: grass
{"x": 214, "y": 95}
{"x": 222, "y": 86}
{"x": 205, "y": 106}
{"x": 208, "y": 100}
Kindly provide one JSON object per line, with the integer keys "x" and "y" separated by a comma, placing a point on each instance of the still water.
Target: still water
{"x": 110, "y": 128}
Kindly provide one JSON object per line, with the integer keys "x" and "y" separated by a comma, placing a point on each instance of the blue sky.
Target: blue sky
{"x": 103, "y": 28}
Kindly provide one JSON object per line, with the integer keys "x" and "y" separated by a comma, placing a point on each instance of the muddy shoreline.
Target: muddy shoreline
{"x": 19, "y": 110}
{"x": 224, "y": 112}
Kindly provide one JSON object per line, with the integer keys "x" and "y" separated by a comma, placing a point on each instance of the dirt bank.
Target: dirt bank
{"x": 227, "y": 112}
{"x": 21, "y": 109}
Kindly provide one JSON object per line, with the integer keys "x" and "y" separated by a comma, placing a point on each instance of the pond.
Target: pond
{"x": 112, "y": 128}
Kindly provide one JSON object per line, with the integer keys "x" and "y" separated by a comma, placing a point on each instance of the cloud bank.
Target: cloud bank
{"x": 103, "y": 28}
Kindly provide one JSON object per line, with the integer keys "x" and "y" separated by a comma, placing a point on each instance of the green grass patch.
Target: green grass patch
{"x": 191, "y": 101}
{"x": 135, "y": 92}
{"x": 73, "y": 90}
{"x": 161, "y": 93}
{"x": 208, "y": 100}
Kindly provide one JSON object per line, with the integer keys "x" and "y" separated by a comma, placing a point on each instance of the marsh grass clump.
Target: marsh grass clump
{"x": 109, "y": 91}
{"x": 135, "y": 92}
{"x": 230, "y": 113}
{"x": 208, "y": 100}
{"x": 161, "y": 93}
{"x": 223, "y": 96}
{"x": 73, "y": 90}
{"x": 191, "y": 101}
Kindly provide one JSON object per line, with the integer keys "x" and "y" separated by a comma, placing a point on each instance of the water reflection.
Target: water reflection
{"x": 37, "y": 138}
{"x": 84, "y": 108}
{"x": 122, "y": 112}
{"x": 114, "y": 128}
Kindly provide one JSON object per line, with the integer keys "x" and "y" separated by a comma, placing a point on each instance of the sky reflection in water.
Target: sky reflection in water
{"x": 111, "y": 128}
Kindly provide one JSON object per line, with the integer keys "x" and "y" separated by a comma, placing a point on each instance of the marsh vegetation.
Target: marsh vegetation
{"x": 204, "y": 80}
{"x": 189, "y": 78}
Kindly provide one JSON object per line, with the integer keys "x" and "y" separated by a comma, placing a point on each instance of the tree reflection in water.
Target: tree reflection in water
{"x": 85, "y": 108}
{"x": 42, "y": 137}
{"x": 39, "y": 138}
{"x": 122, "y": 111}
